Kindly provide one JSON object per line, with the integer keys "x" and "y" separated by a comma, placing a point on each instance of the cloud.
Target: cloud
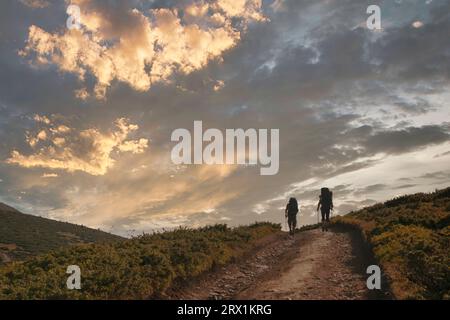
{"x": 417, "y": 24}
{"x": 129, "y": 200}
{"x": 443, "y": 154}
{"x": 398, "y": 141}
{"x": 50, "y": 175}
{"x": 142, "y": 49}
{"x": 59, "y": 147}
{"x": 219, "y": 85}
{"x": 278, "y": 5}
{"x": 36, "y": 4}
{"x": 418, "y": 105}
{"x": 81, "y": 94}
{"x": 370, "y": 189}
{"x": 42, "y": 119}
{"x": 437, "y": 175}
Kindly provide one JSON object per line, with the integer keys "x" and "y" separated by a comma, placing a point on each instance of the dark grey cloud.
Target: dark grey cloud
{"x": 408, "y": 139}
{"x": 370, "y": 189}
{"x": 419, "y": 106}
{"x": 417, "y": 53}
{"x": 437, "y": 175}
{"x": 406, "y": 186}
{"x": 442, "y": 154}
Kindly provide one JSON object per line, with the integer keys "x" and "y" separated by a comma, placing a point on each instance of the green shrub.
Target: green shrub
{"x": 410, "y": 237}
{"x": 139, "y": 268}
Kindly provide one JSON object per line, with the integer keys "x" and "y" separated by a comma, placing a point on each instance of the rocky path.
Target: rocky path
{"x": 311, "y": 265}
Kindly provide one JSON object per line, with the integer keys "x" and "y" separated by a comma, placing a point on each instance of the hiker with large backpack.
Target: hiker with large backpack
{"x": 291, "y": 214}
{"x": 325, "y": 205}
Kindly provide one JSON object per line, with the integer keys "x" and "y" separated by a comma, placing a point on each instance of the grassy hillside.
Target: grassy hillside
{"x": 132, "y": 269}
{"x": 410, "y": 237}
{"x": 23, "y": 236}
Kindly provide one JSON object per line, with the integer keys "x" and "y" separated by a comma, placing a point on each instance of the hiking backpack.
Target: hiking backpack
{"x": 293, "y": 206}
{"x": 326, "y": 196}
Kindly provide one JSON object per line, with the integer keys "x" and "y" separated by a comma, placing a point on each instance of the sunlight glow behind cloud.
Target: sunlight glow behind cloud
{"x": 150, "y": 47}
{"x": 58, "y": 147}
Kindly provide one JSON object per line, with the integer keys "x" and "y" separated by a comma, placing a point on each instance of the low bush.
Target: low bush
{"x": 139, "y": 268}
{"x": 410, "y": 238}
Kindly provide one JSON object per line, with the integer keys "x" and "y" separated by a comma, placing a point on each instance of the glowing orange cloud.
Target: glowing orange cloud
{"x": 149, "y": 48}
{"x": 60, "y": 147}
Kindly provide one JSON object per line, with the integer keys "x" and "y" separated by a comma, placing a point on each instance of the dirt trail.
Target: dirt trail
{"x": 311, "y": 265}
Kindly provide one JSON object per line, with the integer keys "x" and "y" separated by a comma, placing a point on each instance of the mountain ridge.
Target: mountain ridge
{"x": 23, "y": 235}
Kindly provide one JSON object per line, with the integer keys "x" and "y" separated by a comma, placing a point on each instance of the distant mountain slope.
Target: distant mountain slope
{"x": 23, "y": 235}
{"x": 410, "y": 237}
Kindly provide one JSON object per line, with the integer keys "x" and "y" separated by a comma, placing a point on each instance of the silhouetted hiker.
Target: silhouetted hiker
{"x": 325, "y": 205}
{"x": 291, "y": 214}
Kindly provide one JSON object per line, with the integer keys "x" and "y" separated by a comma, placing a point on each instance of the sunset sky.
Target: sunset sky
{"x": 86, "y": 115}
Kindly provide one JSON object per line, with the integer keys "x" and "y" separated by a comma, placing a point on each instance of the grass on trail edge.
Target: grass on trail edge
{"x": 140, "y": 268}
{"x": 410, "y": 240}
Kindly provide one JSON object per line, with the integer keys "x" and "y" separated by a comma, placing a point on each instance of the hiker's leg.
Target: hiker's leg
{"x": 327, "y": 216}
{"x": 290, "y": 224}
{"x": 294, "y": 224}
{"x": 323, "y": 218}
